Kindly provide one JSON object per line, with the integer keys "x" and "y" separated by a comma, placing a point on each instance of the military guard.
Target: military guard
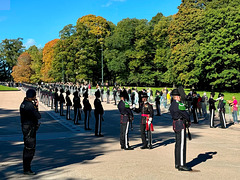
{"x": 212, "y": 109}
{"x": 181, "y": 121}
{"x": 125, "y": 119}
{"x": 146, "y": 110}
{"x": 194, "y": 107}
{"x": 56, "y": 98}
{"x": 221, "y": 110}
{"x": 69, "y": 104}
{"x": 77, "y": 106}
{"x": 157, "y": 101}
{"x": 87, "y": 108}
{"x": 29, "y": 120}
{"x": 98, "y": 112}
{"x": 61, "y": 101}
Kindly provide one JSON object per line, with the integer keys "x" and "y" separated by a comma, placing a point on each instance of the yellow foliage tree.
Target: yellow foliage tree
{"x": 48, "y": 56}
{"x": 22, "y": 71}
{"x": 96, "y": 25}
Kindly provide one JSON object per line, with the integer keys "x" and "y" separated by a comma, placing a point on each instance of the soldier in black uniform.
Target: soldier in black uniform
{"x": 61, "y": 102}
{"x": 221, "y": 110}
{"x": 98, "y": 112}
{"x": 29, "y": 120}
{"x": 87, "y": 108}
{"x": 212, "y": 109}
{"x": 125, "y": 120}
{"x": 181, "y": 120}
{"x": 69, "y": 104}
{"x": 194, "y": 107}
{"x": 77, "y": 106}
{"x": 115, "y": 96}
{"x": 146, "y": 110}
{"x": 157, "y": 100}
{"x": 56, "y": 98}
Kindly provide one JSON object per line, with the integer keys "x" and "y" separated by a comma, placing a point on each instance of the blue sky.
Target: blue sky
{"x": 39, "y": 21}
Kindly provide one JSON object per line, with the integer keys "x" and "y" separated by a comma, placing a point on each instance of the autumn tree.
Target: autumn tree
{"x": 22, "y": 71}
{"x": 10, "y": 49}
{"x": 48, "y": 55}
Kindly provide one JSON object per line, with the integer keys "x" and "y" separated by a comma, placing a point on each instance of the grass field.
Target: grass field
{"x": 5, "y": 88}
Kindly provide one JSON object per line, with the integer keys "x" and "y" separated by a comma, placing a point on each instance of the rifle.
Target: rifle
{"x": 189, "y": 135}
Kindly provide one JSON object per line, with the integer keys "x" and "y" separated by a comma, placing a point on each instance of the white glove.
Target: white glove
{"x": 149, "y": 121}
{"x": 218, "y": 99}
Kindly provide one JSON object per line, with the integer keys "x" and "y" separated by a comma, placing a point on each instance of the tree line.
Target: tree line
{"x": 197, "y": 47}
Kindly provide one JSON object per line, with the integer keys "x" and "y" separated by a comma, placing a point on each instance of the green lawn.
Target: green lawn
{"x": 5, "y": 88}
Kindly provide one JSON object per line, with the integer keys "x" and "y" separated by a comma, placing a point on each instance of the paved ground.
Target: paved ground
{"x": 66, "y": 151}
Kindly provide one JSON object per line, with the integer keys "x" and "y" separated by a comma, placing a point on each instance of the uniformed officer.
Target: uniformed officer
{"x": 115, "y": 95}
{"x": 212, "y": 109}
{"x": 146, "y": 110}
{"x": 157, "y": 100}
{"x": 194, "y": 107}
{"x": 87, "y": 108}
{"x": 69, "y": 104}
{"x": 29, "y": 121}
{"x": 61, "y": 101}
{"x": 181, "y": 120}
{"x": 221, "y": 110}
{"x": 98, "y": 113}
{"x": 125, "y": 119}
{"x": 77, "y": 106}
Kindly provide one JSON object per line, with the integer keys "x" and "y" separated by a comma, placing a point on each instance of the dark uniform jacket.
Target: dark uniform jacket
{"x": 87, "y": 105}
{"x": 177, "y": 113}
{"x": 61, "y": 99}
{"x": 125, "y": 111}
{"x": 76, "y": 102}
{"x": 98, "y": 107}
{"x": 56, "y": 97}
{"x": 221, "y": 105}
{"x": 195, "y": 102}
{"x": 69, "y": 102}
{"x": 212, "y": 104}
{"x": 146, "y": 109}
{"x": 157, "y": 99}
{"x": 29, "y": 113}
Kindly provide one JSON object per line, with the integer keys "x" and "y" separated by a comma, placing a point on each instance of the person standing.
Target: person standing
{"x": 77, "y": 107}
{"x": 221, "y": 110}
{"x": 108, "y": 95}
{"x": 69, "y": 104}
{"x": 29, "y": 121}
{"x": 235, "y": 110}
{"x": 194, "y": 107}
{"x": 102, "y": 92}
{"x": 181, "y": 121}
{"x": 98, "y": 112}
{"x": 87, "y": 108}
{"x": 61, "y": 101}
{"x": 204, "y": 104}
{"x": 115, "y": 95}
{"x": 146, "y": 110}
{"x": 56, "y": 98}
{"x": 125, "y": 119}
{"x": 212, "y": 109}
{"x": 157, "y": 101}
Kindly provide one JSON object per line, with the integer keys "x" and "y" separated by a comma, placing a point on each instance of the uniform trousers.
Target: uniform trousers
{"x": 195, "y": 116}
{"x": 222, "y": 119}
{"x": 211, "y": 117}
{"x": 77, "y": 115}
{"x": 143, "y": 135}
{"x": 29, "y": 137}
{"x": 98, "y": 124}
{"x": 180, "y": 148}
{"x": 158, "y": 109}
{"x": 86, "y": 119}
{"x": 124, "y": 141}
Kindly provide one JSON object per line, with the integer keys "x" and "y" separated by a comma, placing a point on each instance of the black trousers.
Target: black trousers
{"x": 222, "y": 119}
{"x": 56, "y": 105}
{"x": 211, "y": 117}
{"x": 180, "y": 148}
{"x": 98, "y": 124}
{"x": 68, "y": 113}
{"x": 29, "y": 138}
{"x": 158, "y": 109}
{"x": 143, "y": 135}
{"x": 195, "y": 116}
{"x": 124, "y": 141}
{"x": 61, "y": 109}
{"x": 77, "y": 115}
{"x": 86, "y": 119}
{"x": 115, "y": 100}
